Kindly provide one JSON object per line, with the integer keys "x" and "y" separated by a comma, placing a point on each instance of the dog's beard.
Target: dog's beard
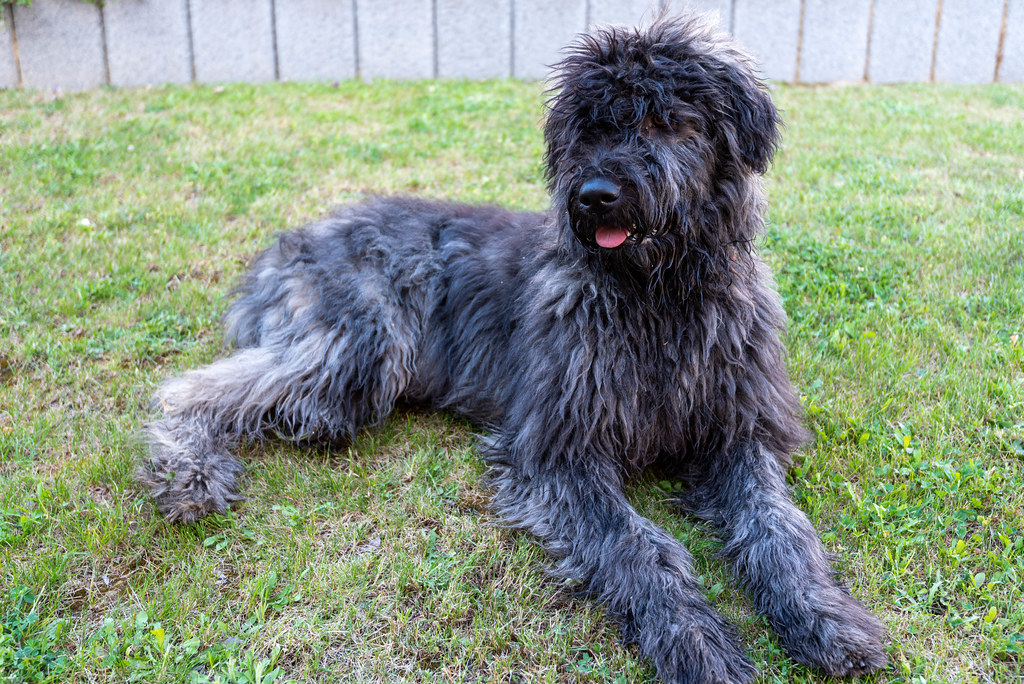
{"x": 651, "y": 254}
{"x": 607, "y": 233}
{"x": 619, "y": 231}
{"x": 643, "y": 213}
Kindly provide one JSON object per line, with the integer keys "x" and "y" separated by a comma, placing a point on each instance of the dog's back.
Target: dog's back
{"x": 419, "y": 294}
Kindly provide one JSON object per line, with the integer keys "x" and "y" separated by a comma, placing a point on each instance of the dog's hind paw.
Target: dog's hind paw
{"x": 188, "y": 475}
{"x": 186, "y": 494}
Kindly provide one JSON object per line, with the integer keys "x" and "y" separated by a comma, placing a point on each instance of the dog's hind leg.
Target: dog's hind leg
{"x": 324, "y": 385}
{"x": 778, "y": 557}
{"x": 637, "y": 570}
{"x": 329, "y": 321}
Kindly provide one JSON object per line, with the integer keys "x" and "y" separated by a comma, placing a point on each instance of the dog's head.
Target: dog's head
{"x": 650, "y": 132}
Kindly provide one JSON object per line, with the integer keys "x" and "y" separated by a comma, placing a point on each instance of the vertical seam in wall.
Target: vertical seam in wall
{"x": 103, "y": 45}
{"x": 800, "y": 40}
{"x": 512, "y": 39}
{"x": 586, "y": 15}
{"x": 191, "y": 42}
{"x": 935, "y": 39}
{"x": 871, "y": 29}
{"x": 9, "y": 11}
{"x": 355, "y": 39}
{"x": 273, "y": 39}
{"x": 437, "y": 40}
{"x": 732, "y": 17}
{"x": 1002, "y": 41}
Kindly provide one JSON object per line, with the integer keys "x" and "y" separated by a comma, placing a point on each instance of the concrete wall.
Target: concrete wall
{"x": 73, "y": 44}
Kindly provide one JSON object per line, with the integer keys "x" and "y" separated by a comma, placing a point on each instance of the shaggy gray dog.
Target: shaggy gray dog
{"x": 632, "y": 326}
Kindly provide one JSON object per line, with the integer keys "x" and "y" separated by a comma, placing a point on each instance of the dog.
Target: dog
{"x": 632, "y": 326}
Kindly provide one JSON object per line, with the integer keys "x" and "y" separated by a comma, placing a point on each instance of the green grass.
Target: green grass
{"x": 897, "y": 236}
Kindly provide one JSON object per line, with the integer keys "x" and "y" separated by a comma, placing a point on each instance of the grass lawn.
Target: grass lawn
{"x": 897, "y": 236}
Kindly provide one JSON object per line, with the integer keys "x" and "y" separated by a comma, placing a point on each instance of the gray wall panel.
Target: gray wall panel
{"x": 968, "y": 41}
{"x": 8, "y": 66}
{"x": 835, "y": 46}
{"x": 722, "y": 9}
{"x": 770, "y": 30}
{"x": 60, "y": 43}
{"x": 232, "y": 40}
{"x": 474, "y": 44}
{"x": 627, "y": 12}
{"x": 315, "y": 39}
{"x": 147, "y": 42}
{"x": 396, "y": 38}
{"x": 1011, "y": 70}
{"x": 541, "y": 29}
{"x": 902, "y": 40}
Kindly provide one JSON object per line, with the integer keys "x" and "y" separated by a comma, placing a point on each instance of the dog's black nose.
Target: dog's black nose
{"x": 598, "y": 195}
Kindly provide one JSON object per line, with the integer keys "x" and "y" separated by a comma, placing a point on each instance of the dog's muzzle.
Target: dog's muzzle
{"x": 598, "y": 198}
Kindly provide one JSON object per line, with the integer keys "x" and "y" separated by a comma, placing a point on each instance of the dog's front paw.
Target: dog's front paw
{"x": 841, "y": 638}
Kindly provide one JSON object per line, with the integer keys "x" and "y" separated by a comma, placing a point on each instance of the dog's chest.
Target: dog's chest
{"x": 661, "y": 390}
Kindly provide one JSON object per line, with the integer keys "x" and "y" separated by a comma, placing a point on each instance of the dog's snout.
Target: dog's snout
{"x": 598, "y": 195}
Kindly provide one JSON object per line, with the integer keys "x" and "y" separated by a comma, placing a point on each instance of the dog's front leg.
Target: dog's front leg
{"x": 777, "y": 554}
{"x": 641, "y": 573}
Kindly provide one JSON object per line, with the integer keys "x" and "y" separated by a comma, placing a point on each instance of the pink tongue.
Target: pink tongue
{"x": 610, "y": 236}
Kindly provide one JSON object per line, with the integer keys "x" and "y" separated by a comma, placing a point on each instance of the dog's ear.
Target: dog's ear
{"x": 753, "y": 117}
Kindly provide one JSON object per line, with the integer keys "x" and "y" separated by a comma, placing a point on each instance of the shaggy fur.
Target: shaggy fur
{"x": 631, "y": 326}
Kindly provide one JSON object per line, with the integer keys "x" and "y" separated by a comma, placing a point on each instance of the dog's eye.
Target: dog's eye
{"x": 655, "y": 123}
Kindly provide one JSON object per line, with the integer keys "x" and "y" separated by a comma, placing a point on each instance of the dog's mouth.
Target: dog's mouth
{"x": 611, "y": 237}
